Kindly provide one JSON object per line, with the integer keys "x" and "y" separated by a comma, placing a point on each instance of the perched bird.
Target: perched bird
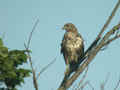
{"x": 72, "y": 47}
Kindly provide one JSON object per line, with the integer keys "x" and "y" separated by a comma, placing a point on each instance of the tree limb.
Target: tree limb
{"x": 94, "y": 48}
{"x": 29, "y": 56}
{"x": 118, "y": 84}
{"x": 109, "y": 18}
{"x": 44, "y": 68}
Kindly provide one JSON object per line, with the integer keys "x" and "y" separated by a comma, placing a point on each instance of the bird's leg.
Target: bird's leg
{"x": 67, "y": 67}
{"x": 67, "y": 71}
{"x": 65, "y": 76}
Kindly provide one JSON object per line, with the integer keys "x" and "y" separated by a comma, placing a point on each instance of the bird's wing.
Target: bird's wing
{"x": 80, "y": 49}
{"x": 63, "y": 44}
{"x": 63, "y": 48}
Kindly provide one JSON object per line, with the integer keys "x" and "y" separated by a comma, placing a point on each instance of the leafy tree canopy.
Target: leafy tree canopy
{"x": 10, "y": 73}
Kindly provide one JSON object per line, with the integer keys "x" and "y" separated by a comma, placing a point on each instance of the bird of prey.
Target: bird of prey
{"x": 72, "y": 47}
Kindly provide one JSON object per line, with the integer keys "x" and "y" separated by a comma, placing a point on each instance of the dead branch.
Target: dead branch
{"x": 44, "y": 68}
{"x": 91, "y": 86}
{"x": 85, "y": 84}
{"x": 94, "y": 48}
{"x": 109, "y": 19}
{"x": 83, "y": 78}
{"x": 33, "y": 71}
{"x": 30, "y": 36}
{"x": 29, "y": 56}
{"x": 79, "y": 85}
{"x": 118, "y": 84}
{"x": 82, "y": 87}
{"x": 91, "y": 56}
{"x": 103, "y": 84}
{"x": 35, "y": 77}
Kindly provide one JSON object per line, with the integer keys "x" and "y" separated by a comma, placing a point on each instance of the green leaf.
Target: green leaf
{"x": 10, "y": 73}
{"x": 1, "y": 42}
{"x": 3, "y": 51}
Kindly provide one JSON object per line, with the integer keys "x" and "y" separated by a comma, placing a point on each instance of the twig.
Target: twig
{"x": 102, "y": 86}
{"x": 104, "y": 27}
{"x": 94, "y": 48}
{"x": 106, "y": 39}
{"x": 81, "y": 81}
{"x": 109, "y": 18}
{"x": 86, "y": 83}
{"x": 44, "y": 68}
{"x": 111, "y": 32}
{"x": 118, "y": 84}
{"x": 112, "y": 39}
{"x": 85, "y": 64}
{"x": 91, "y": 85}
{"x": 33, "y": 71}
{"x": 83, "y": 78}
{"x": 29, "y": 56}
{"x": 30, "y": 36}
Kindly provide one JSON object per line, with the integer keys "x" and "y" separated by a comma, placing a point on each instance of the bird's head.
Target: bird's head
{"x": 69, "y": 27}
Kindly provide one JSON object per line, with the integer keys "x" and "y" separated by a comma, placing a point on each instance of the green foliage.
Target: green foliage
{"x": 1, "y": 42}
{"x": 10, "y": 73}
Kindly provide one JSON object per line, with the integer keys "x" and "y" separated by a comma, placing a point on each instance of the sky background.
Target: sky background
{"x": 17, "y": 18}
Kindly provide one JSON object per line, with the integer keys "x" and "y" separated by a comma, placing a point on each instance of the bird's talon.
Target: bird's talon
{"x": 67, "y": 70}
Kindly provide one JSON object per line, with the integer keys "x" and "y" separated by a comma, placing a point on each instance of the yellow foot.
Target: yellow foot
{"x": 67, "y": 70}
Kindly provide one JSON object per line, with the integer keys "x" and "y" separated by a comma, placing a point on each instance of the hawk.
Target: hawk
{"x": 72, "y": 47}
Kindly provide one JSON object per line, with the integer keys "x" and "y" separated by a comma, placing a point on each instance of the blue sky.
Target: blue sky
{"x": 17, "y": 18}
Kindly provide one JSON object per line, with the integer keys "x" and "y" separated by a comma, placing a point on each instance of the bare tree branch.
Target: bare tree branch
{"x": 82, "y": 87}
{"x": 109, "y": 18}
{"x": 102, "y": 86}
{"x": 104, "y": 27}
{"x": 91, "y": 56}
{"x": 29, "y": 56}
{"x": 112, "y": 31}
{"x": 91, "y": 86}
{"x": 77, "y": 86}
{"x": 33, "y": 71}
{"x": 85, "y": 84}
{"x": 83, "y": 78}
{"x": 44, "y": 68}
{"x": 30, "y": 59}
{"x": 94, "y": 48}
{"x": 118, "y": 84}
{"x": 30, "y": 36}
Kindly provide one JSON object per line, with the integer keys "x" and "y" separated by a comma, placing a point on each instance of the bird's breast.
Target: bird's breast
{"x": 73, "y": 42}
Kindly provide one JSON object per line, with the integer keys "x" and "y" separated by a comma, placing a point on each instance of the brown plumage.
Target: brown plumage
{"x": 72, "y": 47}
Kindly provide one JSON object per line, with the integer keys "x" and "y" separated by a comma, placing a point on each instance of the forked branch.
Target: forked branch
{"x": 100, "y": 42}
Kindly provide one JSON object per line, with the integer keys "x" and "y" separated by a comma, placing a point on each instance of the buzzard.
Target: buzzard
{"x": 72, "y": 47}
